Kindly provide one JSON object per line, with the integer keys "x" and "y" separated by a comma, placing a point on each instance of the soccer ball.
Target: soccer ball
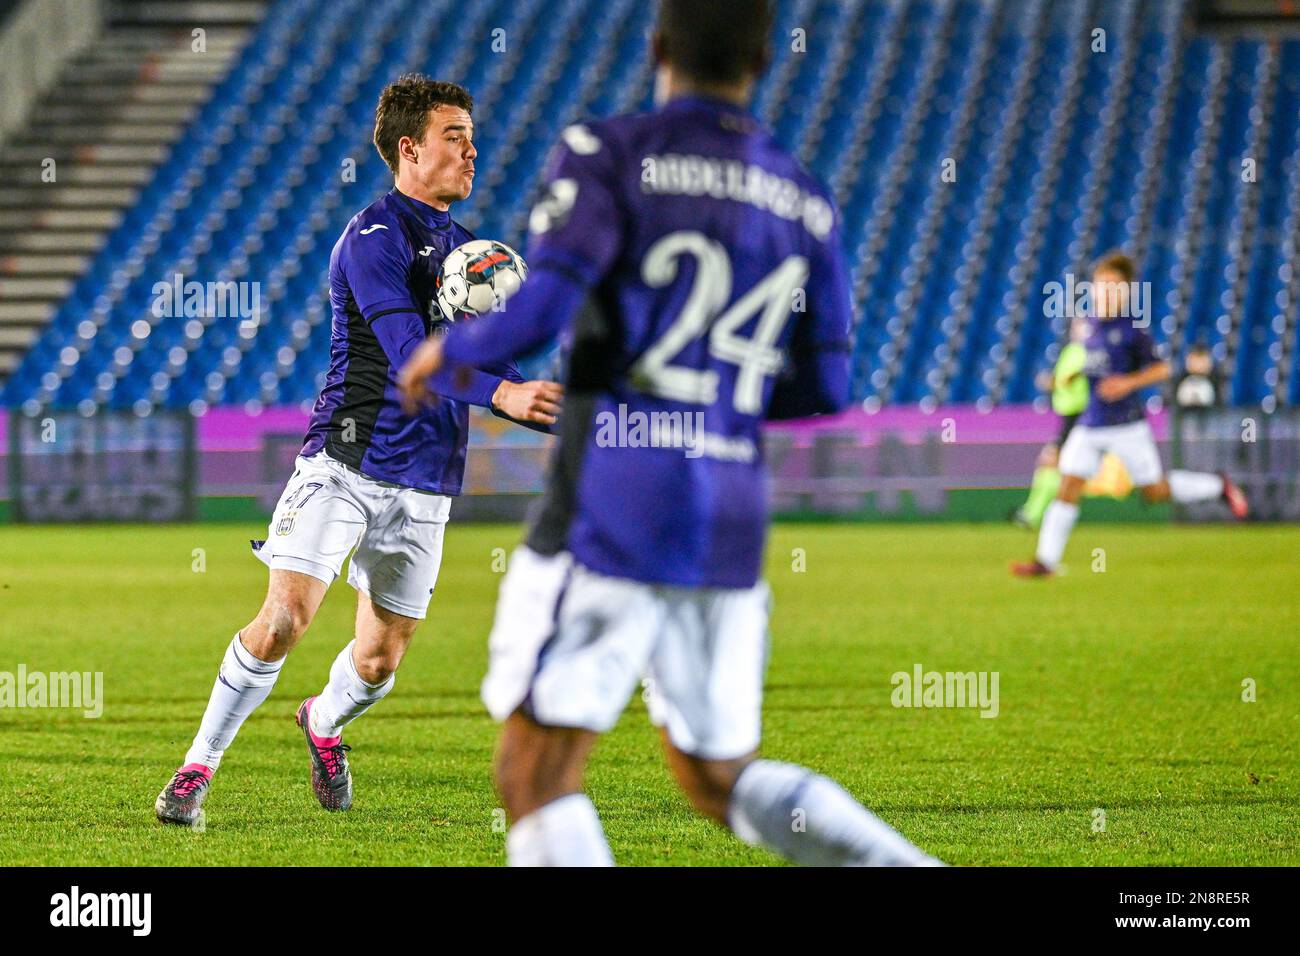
{"x": 477, "y": 276}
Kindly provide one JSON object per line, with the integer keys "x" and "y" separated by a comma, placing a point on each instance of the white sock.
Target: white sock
{"x": 242, "y": 684}
{"x": 564, "y": 832}
{"x": 809, "y": 819}
{"x": 346, "y": 697}
{"x": 1054, "y": 532}
{"x": 1188, "y": 486}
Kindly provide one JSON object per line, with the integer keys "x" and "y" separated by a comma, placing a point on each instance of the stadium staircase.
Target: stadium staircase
{"x": 978, "y": 150}
{"x": 92, "y": 144}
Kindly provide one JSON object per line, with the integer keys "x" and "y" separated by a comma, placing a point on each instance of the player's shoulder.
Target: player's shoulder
{"x": 382, "y": 220}
{"x": 591, "y": 142}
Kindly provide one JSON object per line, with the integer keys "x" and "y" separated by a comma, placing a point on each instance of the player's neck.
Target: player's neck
{"x": 409, "y": 187}
{"x": 670, "y": 86}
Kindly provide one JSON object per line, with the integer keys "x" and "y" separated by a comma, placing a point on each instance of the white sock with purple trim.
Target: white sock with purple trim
{"x": 1186, "y": 487}
{"x": 243, "y": 682}
{"x": 564, "y": 832}
{"x": 1054, "y": 532}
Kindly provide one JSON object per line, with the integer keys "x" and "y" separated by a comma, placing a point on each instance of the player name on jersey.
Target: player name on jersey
{"x": 690, "y": 175}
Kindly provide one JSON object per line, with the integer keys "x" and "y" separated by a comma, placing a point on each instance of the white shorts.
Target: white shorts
{"x": 1133, "y": 444}
{"x": 569, "y": 646}
{"x": 328, "y": 508}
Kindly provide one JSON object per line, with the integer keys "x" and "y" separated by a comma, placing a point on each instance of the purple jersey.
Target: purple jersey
{"x": 382, "y": 289}
{"x": 1115, "y": 347}
{"x": 704, "y": 267}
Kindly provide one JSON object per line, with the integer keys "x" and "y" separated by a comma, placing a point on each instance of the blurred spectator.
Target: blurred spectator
{"x": 1198, "y": 385}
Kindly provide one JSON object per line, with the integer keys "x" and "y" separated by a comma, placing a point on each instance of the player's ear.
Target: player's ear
{"x": 406, "y": 150}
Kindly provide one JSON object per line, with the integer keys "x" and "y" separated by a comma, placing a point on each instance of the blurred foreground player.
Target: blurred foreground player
{"x": 1121, "y": 361}
{"x": 700, "y": 270}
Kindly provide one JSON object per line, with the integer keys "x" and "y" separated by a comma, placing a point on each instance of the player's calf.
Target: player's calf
{"x": 707, "y": 783}
{"x": 536, "y": 764}
{"x": 538, "y": 772}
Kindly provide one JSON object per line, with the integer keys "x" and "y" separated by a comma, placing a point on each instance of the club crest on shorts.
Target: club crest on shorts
{"x": 293, "y": 504}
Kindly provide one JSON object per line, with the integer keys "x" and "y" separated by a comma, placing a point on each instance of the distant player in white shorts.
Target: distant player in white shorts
{"x": 371, "y": 475}
{"x": 1121, "y": 361}
{"x": 671, "y": 245}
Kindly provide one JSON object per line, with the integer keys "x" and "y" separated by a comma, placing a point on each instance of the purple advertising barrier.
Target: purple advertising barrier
{"x": 234, "y": 429}
{"x": 244, "y": 454}
{"x": 1007, "y": 424}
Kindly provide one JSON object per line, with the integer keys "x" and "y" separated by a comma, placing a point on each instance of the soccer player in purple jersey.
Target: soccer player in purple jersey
{"x": 1121, "y": 361}
{"x": 697, "y": 271}
{"x": 370, "y": 475}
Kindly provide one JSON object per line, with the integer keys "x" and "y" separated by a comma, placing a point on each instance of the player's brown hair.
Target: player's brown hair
{"x": 404, "y": 106}
{"x": 1116, "y": 261}
{"x": 714, "y": 41}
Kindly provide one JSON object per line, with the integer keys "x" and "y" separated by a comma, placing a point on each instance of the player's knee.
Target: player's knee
{"x": 377, "y": 667}
{"x": 1071, "y": 489}
{"x": 1154, "y": 494}
{"x": 288, "y": 619}
{"x": 277, "y": 628}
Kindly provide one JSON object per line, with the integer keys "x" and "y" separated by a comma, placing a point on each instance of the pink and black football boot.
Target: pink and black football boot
{"x": 331, "y": 780}
{"x": 181, "y": 801}
{"x": 1235, "y": 498}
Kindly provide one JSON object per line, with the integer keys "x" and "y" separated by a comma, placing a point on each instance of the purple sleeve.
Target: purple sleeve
{"x": 400, "y": 332}
{"x": 576, "y": 233}
{"x": 816, "y": 378}
{"x": 477, "y": 389}
{"x": 1145, "y": 353}
{"x": 376, "y": 267}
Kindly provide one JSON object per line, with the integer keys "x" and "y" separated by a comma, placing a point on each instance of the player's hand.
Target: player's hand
{"x": 413, "y": 379}
{"x": 1114, "y": 387}
{"x": 536, "y": 401}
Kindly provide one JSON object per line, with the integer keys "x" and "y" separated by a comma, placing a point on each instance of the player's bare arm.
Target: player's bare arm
{"x": 1115, "y": 387}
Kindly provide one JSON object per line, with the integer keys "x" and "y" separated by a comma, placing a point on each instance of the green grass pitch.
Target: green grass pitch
{"x": 1120, "y": 691}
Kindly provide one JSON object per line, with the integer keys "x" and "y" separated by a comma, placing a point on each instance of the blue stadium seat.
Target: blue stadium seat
{"x": 977, "y": 150}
